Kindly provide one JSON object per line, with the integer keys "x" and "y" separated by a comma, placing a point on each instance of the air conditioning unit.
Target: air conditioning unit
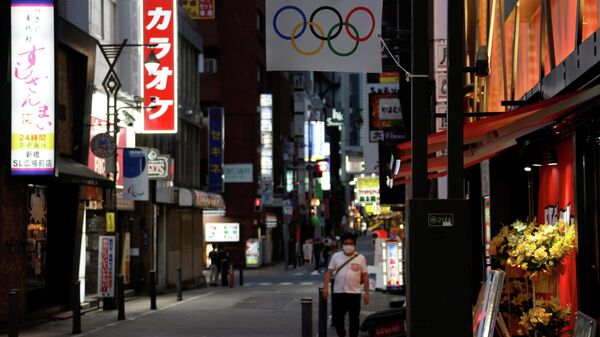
{"x": 210, "y": 66}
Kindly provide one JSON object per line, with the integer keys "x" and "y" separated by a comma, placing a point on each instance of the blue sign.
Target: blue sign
{"x": 215, "y": 149}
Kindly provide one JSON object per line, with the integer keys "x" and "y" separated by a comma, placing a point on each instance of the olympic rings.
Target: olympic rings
{"x": 372, "y": 20}
{"x": 279, "y": 12}
{"x": 300, "y": 28}
{"x": 331, "y": 46}
{"x": 311, "y": 24}
{"x": 335, "y": 11}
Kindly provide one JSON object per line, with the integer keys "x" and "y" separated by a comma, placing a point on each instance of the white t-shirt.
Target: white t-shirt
{"x": 347, "y": 279}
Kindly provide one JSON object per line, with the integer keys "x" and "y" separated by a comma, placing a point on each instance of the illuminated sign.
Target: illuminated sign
{"x": 266, "y": 148}
{"x": 367, "y": 190}
{"x": 32, "y": 87}
{"x": 160, "y": 88}
{"x": 222, "y": 232}
{"x": 199, "y": 9}
{"x": 215, "y": 149}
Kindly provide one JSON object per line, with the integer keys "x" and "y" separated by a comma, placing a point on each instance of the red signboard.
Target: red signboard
{"x": 98, "y": 164}
{"x": 160, "y": 88}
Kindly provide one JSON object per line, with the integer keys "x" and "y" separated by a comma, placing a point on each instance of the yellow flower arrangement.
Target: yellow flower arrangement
{"x": 539, "y": 249}
{"x": 547, "y": 319}
{"x": 515, "y": 298}
{"x": 499, "y": 244}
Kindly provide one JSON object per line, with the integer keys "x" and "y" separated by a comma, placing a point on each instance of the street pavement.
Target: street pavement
{"x": 269, "y": 304}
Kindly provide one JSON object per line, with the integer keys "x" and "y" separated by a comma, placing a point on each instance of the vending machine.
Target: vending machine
{"x": 393, "y": 265}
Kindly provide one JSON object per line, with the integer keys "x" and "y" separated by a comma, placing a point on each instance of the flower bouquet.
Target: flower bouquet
{"x": 499, "y": 244}
{"x": 547, "y": 319}
{"x": 539, "y": 249}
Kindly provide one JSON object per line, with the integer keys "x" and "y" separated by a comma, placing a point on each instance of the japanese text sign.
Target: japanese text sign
{"x": 215, "y": 150}
{"x": 199, "y": 9}
{"x": 32, "y": 87}
{"x": 160, "y": 88}
{"x": 106, "y": 264}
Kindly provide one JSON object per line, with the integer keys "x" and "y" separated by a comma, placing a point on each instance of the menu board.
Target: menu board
{"x": 222, "y": 232}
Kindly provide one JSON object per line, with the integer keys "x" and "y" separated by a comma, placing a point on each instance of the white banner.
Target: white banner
{"x": 333, "y": 35}
{"x": 106, "y": 266}
{"x": 32, "y": 87}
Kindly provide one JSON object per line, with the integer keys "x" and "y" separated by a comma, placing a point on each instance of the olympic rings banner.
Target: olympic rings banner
{"x": 331, "y": 35}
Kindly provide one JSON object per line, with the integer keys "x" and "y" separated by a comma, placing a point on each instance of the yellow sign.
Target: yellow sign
{"x": 110, "y": 222}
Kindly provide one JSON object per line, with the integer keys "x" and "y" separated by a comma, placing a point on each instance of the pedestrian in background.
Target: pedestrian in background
{"x": 317, "y": 250}
{"x": 348, "y": 270}
{"x": 214, "y": 265}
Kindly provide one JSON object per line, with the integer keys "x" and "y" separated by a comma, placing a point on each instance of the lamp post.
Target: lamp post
{"x": 112, "y": 85}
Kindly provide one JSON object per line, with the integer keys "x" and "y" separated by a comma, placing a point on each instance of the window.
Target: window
{"x": 102, "y": 19}
{"x": 210, "y": 65}
{"x": 97, "y": 18}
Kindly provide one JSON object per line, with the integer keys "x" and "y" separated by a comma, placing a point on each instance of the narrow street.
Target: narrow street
{"x": 267, "y": 305}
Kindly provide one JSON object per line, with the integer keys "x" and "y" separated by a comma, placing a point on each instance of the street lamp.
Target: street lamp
{"x": 112, "y": 85}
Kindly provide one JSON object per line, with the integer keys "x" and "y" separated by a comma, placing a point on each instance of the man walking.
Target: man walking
{"x": 350, "y": 271}
{"x": 214, "y": 265}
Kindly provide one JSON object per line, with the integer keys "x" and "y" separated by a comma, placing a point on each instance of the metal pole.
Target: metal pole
{"x": 153, "y": 290}
{"x": 456, "y": 56}
{"x": 121, "y": 297}
{"x": 307, "y": 317}
{"x": 179, "y": 295}
{"x": 420, "y": 109}
{"x": 76, "y": 308}
{"x": 322, "y": 314}
{"x": 241, "y": 274}
{"x": 13, "y": 313}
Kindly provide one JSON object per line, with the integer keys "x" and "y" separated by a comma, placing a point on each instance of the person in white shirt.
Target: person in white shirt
{"x": 350, "y": 270}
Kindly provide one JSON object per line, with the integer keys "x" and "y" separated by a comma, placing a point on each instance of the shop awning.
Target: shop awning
{"x": 72, "y": 172}
{"x": 489, "y": 136}
{"x": 208, "y": 200}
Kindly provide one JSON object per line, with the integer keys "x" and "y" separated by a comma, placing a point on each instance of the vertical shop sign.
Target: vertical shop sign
{"x": 386, "y": 121}
{"x": 110, "y": 222}
{"x": 160, "y": 88}
{"x": 32, "y": 87}
{"x": 215, "y": 150}
{"x": 266, "y": 149}
{"x": 106, "y": 265}
{"x": 135, "y": 174}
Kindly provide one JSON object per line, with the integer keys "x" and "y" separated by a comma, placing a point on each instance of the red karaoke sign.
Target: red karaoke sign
{"x": 160, "y": 88}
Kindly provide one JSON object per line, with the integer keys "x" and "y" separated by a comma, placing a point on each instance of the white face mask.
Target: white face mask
{"x": 348, "y": 249}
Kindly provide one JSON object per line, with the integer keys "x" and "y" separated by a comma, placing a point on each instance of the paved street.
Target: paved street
{"x": 267, "y": 305}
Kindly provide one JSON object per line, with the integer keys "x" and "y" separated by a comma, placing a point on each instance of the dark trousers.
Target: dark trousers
{"x": 342, "y": 304}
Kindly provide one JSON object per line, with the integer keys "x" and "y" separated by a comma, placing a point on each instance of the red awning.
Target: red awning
{"x": 492, "y": 135}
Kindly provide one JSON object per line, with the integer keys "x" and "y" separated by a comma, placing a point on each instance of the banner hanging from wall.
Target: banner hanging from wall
{"x": 135, "y": 174}
{"x": 320, "y": 35}
{"x": 215, "y": 149}
{"x": 106, "y": 266}
{"x": 32, "y": 87}
{"x": 159, "y": 19}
